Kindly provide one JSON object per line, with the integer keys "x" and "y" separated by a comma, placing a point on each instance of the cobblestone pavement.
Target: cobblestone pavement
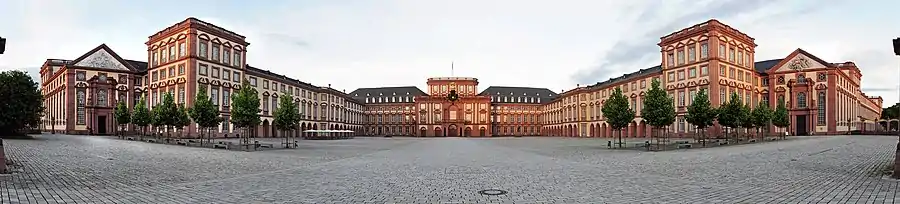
{"x": 80, "y": 169}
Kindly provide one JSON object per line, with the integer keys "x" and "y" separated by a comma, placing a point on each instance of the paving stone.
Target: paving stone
{"x": 82, "y": 169}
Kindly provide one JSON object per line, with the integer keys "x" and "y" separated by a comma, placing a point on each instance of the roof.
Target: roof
{"x": 762, "y": 66}
{"x": 626, "y": 77}
{"x": 139, "y": 66}
{"x": 361, "y": 93}
{"x": 545, "y": 95}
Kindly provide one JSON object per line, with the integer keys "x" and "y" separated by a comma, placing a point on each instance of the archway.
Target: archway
{"x": 482, "y": 131}
{"x": 452, "y": 130}
{"x": 642, "y": 129}
{"x": 468, "y": 132}
{"x": 423, "y": 132}
{"x": 437, "y": 132}
{"x": 266, "y": 128}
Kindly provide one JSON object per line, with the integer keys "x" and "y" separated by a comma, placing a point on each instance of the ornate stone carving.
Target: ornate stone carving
{"x": 101, "y": 59}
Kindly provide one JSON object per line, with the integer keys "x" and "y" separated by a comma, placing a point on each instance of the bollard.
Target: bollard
{"x": 2, "y": 158}
{"x": 609, "y": 144}
{"x": 647, "y": 144}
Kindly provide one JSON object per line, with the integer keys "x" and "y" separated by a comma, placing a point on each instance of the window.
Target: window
{"x": 722, "y": 51}
{"x": 704, "y": 50}
{"x": 80, "y": 97}
{"x": 740, "y": 76}
{"x": 225, "y": 121}
{"x": 731, "y": 55}
{"x": 226, "y": 56}
{"x": 723, "y": 70}
{"x": 801, "y": 100}
{"x": 253, "y": 81}
{"x": 181, "y": 69}
{"x": 182, "y": 49}
{"x": 265, "y": 103}
{"x": 237, "y": 58}
{"x": 670, "y": 60}
{"x": 201, "y": 48}
{"x": 275, "y": 104}
{"x": 154, "y": 76}
{"x": 731, "y": 73}
{"x": 722, "y": 94}
{"x": 162, "y": 55}
{"x": 226, "y": 97}
{"x": 172, "y": 71}
{"x": 237, "y": 77}
{"x": 274, "y": 86}
{"x": 692, "y": 94}
{"x": 748, "y": 60}
{"x": 747, "y": 77}
{"x": 181, "y": 94}
{"x": 283, "y": 88}
{"x": 215, "y": 52}
{"x": 172, "y": 52}
{"x": 692, "y": 72}
{"x": 680, "y": 75}
{"x": 162, "y": 74}
{"x": 154, "y": 58}
{"x": 226, "y": 75}
{"x": 643, "y": 84}
{"x": 740, "y": 58}
{"x": 203, "y": 69}
{"x": 681, "y": 98}
{"x": 138, "y": 82}
{"x": 680, "y": 57}
{"x": 671, "y": 76}
{"x": 704, "y": 70}
{"x": 215, "y": 72}
{"x": 265, "y": 84}
{"x": 692, "y": 53}
{"x": 821, "y": 106}
{"x": 214, "y": 96}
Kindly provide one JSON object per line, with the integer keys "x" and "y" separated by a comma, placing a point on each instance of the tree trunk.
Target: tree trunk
{"x": 620, "y": 137}
{"x": 896, "y": 173}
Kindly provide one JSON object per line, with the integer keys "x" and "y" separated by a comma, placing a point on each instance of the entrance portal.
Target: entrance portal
{"x": 101, "y": 125}
{"x": 801, "y": 125}
{"x": 452, "y": 131}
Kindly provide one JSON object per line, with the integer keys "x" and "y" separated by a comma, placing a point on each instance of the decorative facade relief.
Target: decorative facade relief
{"x": 101, "y": 59}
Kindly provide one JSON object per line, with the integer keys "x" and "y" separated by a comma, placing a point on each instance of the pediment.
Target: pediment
{"x": 104, "y": 58}
{"x": 800, "y": 60}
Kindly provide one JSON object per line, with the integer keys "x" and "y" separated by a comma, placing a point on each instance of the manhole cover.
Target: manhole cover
{"x": 492, "y": 192}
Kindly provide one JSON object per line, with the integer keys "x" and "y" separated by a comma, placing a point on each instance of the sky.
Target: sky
{"x": 559, "y": 45}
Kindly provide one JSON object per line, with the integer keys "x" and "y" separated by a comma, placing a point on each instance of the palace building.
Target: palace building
{"x": 81, "y": 94}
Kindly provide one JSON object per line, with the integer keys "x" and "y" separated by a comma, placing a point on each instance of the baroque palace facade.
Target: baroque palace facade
{"x": 822, "y": 97}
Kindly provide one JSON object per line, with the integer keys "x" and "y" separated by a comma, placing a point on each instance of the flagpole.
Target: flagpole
{"x": 451, "y": 68}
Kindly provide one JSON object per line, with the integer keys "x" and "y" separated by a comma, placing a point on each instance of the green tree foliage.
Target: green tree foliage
{"x": 156, "y": 120}
{"x": 780, "y": 118}
{"x": 142, "y": 116}
{"x": 746, "y": 120}
{"x": 892, "y": 112}
{"x": 287, "y": 116}
{"x": 204, "y": 112}
{"x": 168, "y": 112}
{"x": 182, "y": 120}
{"x": 730, "y": 113}
{"x": 658, "y": 110}
{"x": 245, "y": 109}
{"x": 701, "y": 113}
{"x": 761, "y": 116}
{"x": 22, "y": 102}
{"x": 123, "y": 116}
{"x": 618, "y": 114}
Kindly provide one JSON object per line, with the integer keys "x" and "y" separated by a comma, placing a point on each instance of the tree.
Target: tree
{"x": 761, "y": 116}
{"x": 182, "y": 120}
{"x": 204, "y": 113}
{"x": 287, "y": 116}
{"x": 780, "y": 118}
{"x": 123, "y": 116}
{"x": 658, "y": 110}
{"x": 617, "y": 113}
{"x": 22, "y": 105}
{"x": 730, "y": 113}
{"x": 701, "y": 114}
{"x": 142, "y": 116}
{"x": 156, "y": 120}
{"x": 168, "y": 113}
{"x": 245, "y": 110}
{"x": 746, "y": 120}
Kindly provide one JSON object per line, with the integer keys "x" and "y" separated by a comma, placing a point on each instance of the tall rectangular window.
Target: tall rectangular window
{"x": 203, "y": 69}
{"x": 692, "y": 72}
{"x": 740, "y": 58}
{"x": 237, "y": 77}
{"x": 214, "y": 96}
{"x": 226, "y": 56}
{"x": 181, "y": 94}
{"x": 704, "y": 50}
{"x": 226, "y": 97}
{"x": 680, "y": 75}
{"x": 181, "y": 69}
{"x": 692, "y": 53}
{"x": 172, "y": 53}
{"x": 680, "y": 57}
{"x": 215, "y": 52}
{"x": 265, "y": 103}
{"x": 731, "y": 55}
{"x": 670, "y": 59}
{"x": 704, "y": 70}
{"x": 681, "y": 98}
{"x": 237, "y": 58}
{"x": 182, "y": 49}
{"x": 80, "y": 102}
{"x": 722, "y": 50}
{"x": 202, "y": 48}
{"x": 691, "y": 95}
{"x": 163, "y": 55}
{"x": 226, "y": 75}
{"x": 154, "y": 58}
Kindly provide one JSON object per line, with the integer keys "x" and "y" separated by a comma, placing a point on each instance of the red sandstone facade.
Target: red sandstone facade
{"x": 823, "y": 97}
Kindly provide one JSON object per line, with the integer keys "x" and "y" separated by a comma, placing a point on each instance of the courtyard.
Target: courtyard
{"x": 88, "y": 169}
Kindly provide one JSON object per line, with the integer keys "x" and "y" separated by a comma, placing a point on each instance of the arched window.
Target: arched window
{"x": 101, "y": 97}
{"x": 80, "y": 102}
{"x": 801, "y": 100}
{"x": 821, "y": 107}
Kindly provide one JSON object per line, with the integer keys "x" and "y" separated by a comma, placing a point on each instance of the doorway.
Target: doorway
{"x": 101, "y": 125}
{"x": 453, "y": 131}
{"x": 800, "y": 125}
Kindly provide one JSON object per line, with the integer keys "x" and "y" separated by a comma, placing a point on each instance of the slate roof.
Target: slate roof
{"x": 762, "y": 66}
{"x": 545, "y": 95}
{"x": 138, "y": 65}
{"x": 640, "y": 73}
{"x": 361, "y": 93}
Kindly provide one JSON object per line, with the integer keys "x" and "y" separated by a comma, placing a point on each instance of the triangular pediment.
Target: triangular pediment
{"x": 103, "y": 58}
{"x": 800, "y": 60}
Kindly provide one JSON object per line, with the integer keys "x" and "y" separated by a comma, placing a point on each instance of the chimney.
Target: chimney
{"x": 329, "y": 85}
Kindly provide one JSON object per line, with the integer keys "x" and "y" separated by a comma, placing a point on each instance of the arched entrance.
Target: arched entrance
{"x": 468, "y": 132}
{"x": 423, "y": 132}
{"x": 437, "y": 132}
{"x": 452, "y": 131}
{"x": 266, "y": 128}
{"x": 482, "y": 132}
